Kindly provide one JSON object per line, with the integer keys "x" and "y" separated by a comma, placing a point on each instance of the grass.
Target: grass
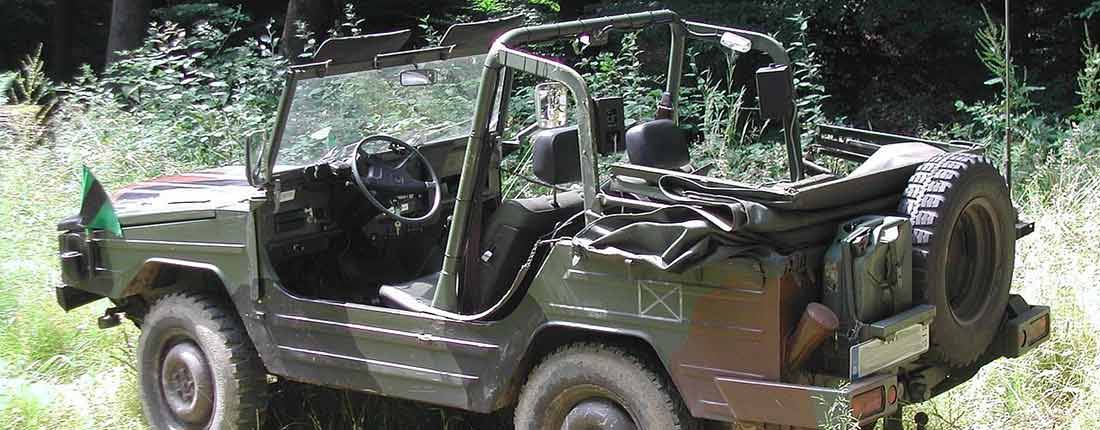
{"x": 52, "y": 363}
{"x": 1058, "y": 385}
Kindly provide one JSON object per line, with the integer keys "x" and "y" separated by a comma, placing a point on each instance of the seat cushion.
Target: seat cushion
{"x": 512, "y": 232}
{"x": 420, "y": 290}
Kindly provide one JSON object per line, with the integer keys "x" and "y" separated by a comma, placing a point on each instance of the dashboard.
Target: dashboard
{"x": 320, "y": 231}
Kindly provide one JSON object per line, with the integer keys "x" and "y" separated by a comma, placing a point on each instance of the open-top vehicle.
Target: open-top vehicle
{"x": 367, "y": 245}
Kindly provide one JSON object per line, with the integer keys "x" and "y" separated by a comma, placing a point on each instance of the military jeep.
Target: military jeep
{"x": 367, "y": 245}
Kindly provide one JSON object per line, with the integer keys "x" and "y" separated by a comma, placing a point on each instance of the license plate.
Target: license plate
{"x": 877, "y": 354}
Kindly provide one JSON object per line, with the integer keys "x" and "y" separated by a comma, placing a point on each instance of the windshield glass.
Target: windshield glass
{"x": 336, "y": 111}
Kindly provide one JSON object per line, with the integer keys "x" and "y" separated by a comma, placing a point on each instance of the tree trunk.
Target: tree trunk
{"x": 59, "y": 51}
{"x": 129, "y": 22}
{"x": 317, "y": 15}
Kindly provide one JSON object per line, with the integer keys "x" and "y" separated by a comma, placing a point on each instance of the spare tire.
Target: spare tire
{"x": 964, "y": 246}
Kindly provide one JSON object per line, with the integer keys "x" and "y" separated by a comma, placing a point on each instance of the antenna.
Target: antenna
{"x": 1008, "y": 105}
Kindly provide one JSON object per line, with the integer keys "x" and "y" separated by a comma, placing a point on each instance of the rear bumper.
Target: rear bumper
{"x": 1025, "y": 327}
{"x": 806, "y": 405}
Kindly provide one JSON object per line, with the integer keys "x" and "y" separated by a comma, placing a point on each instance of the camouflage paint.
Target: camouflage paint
{"x": 719, "y": 330}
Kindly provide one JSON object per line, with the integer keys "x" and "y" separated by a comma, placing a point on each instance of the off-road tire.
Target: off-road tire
{"x": 237, "y": 374}
{"x": 588, "y": 371}
{"x": 964, "y": 245}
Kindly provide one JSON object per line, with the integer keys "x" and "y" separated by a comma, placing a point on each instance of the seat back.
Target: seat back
{"x": 515, "y": 226}
{"x": 556, "y": 155}
{"x": 658, "y": 143}
{"x": 512, "y": 232}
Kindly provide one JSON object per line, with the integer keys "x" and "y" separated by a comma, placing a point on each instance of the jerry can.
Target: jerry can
{"x": 868, "y": 274}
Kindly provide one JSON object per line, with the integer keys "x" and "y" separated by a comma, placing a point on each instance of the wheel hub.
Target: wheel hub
{"x": 972, "y": 252}
{"x": 598, "y": 414}
{"x": 186, "y": 383}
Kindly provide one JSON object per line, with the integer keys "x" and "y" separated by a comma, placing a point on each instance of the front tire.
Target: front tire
{"x": 589, "y": 386}
{"x": 197, "y": 367}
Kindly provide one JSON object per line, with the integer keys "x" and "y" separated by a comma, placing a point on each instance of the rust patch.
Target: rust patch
{"x": 142, "y": 279}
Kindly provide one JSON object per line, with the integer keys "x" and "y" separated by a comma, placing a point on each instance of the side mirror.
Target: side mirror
{"x": 552, "y": 104}
{"x": 417, "y": 77}
{"x": 253, "y": 149}
{"x": 775, "y": 89}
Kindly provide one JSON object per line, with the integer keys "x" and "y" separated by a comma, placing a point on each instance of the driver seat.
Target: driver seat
{"x": 511, "y": 233}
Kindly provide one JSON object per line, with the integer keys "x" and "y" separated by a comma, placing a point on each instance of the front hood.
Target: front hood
{"x": 209, "y": 189}
{"x": 175, "y": 198}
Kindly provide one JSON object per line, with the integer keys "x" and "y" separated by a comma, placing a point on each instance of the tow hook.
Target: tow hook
{"x": 110, "y": 318}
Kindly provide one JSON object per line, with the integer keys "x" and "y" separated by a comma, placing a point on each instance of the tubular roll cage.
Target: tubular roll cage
{"x": 501, "y": 62}
{"x": 504, "y": 59}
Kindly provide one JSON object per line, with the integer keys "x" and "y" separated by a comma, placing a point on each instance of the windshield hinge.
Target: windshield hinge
{"x": 275, "y": 193}
{"x": 310, "y": 70}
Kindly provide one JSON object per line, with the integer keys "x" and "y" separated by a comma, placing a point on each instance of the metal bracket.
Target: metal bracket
{"x": 110, "y": 318}
{"x": 1024, "y": 228}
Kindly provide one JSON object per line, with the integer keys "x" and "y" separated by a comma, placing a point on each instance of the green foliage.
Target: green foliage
{"x": 6, "y": 79}
{"x": 57, "y": 369}
{"x": 191, "y": 91}
{"x": 552, "y": 5}
{"x": 348, "y": 24}
{"x": 431, "y": 35}
{"x": 620, "y": 73}
{"x": 486, "y": 6}
{"x": 189, "y": 14}
{"x": 1088, "y": 81}
{"x": 1090, "y": 10}
{"x": 30, "y": 85}
{"x": 1036, "y": 135}
{"x": 809, "y": 81}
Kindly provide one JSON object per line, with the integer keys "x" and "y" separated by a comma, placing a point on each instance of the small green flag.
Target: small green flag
{"x": 96, "y": 211}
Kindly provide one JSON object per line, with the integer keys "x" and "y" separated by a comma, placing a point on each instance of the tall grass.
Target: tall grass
{"x": 57, "y": 370}
{"x": 1058, "y": 385}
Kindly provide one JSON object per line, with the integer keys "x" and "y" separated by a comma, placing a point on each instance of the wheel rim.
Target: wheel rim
{"x": 972, "y": 254}
{"x": 597, "y": 414}
{"x": 186, "y": 384}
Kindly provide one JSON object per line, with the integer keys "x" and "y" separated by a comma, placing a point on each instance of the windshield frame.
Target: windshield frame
{"x": 298, "y": 73}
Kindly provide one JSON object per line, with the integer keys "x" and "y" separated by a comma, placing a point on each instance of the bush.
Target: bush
{"x": 183, "y": 95}
{"x": 1035, "y": 134}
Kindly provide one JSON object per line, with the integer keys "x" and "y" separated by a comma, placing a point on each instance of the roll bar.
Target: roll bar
{"x": 504, "y": 55}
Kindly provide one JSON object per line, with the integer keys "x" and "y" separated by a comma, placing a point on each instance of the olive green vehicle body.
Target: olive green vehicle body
{"x": 719, "y": 330}
{"x": 707, "y": 324}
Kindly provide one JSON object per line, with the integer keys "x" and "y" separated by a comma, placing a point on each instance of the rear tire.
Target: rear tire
{"x": 964, "y": 244}
{"x": 594, "y": 386}
{"x": 197, "y": 367}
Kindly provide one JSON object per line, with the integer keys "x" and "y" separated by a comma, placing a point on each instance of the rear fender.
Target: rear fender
{"x": 554, "y": 334}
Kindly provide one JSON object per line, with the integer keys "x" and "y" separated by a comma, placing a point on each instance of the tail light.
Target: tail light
{"x": 869, "y": 403}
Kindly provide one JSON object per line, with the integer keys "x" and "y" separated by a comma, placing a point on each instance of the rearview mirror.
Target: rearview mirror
{"x": 552, "y": 104}
{"x": 417, "y": 77}
{"x": 253, "y": 149}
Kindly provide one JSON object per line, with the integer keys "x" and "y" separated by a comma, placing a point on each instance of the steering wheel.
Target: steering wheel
{"x": 394, "y": 177}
